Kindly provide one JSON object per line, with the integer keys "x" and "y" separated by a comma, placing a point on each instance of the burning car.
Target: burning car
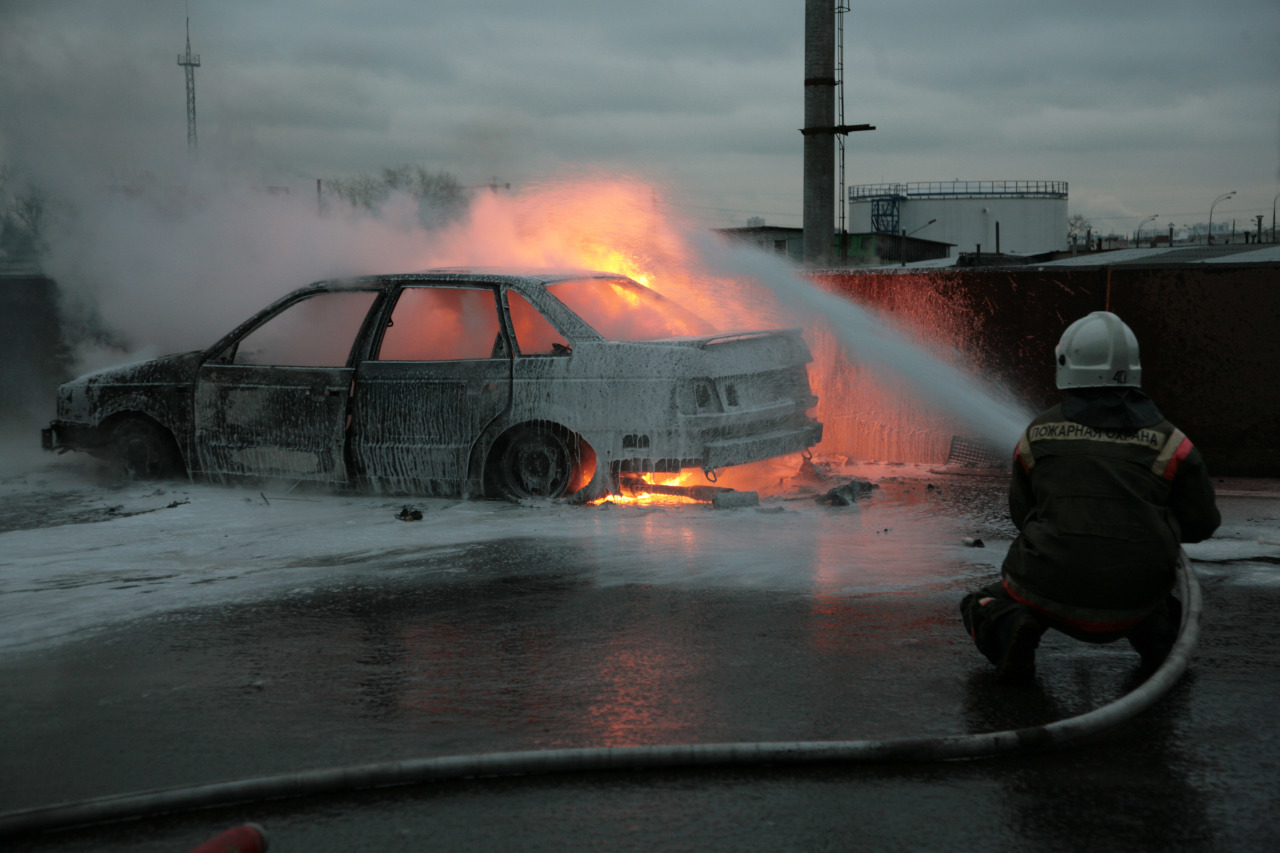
{"x": 454, "y": 381}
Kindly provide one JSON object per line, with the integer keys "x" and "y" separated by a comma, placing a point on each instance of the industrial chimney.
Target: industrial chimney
{"x": 820, "y": 129}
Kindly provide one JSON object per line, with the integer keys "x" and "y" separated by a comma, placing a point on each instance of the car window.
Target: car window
{"x": 316, "y": 332}
{"x": 534, "y": 333}
{"x": 443, "y": 324}
{"x": 625, "y": 311}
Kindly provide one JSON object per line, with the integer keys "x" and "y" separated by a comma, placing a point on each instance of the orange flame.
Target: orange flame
{"x": 633, "y": 495}
{"x": 620, "y": 225}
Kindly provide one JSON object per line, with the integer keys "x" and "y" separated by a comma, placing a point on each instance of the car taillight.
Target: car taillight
{"x": 705, "y": 396}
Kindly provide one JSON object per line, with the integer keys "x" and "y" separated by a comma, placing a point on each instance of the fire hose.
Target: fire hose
{"x": 577, "y": 760}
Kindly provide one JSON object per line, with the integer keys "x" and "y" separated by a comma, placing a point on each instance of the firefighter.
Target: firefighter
{"x": 1104, "y": 491}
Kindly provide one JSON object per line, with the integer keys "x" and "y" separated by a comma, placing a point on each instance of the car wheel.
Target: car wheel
{"x": 534, "y": 462}
{"x": 143, "y": 450}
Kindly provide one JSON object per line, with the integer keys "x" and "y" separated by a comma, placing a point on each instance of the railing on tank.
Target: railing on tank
{"x": 961, "y": 189}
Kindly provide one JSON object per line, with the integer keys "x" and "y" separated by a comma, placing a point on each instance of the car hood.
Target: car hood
{"x": 170, "y": 368}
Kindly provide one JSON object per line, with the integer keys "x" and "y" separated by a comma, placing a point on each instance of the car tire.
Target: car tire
{"x": 534, "y": 462}
{"x": 143, "y": 450}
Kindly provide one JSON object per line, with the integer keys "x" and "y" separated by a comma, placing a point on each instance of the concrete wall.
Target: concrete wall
{"x": 1209, "y": 338}
{"x": 33, "y": 357}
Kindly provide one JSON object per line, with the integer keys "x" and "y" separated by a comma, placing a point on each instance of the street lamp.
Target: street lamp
{"x": 1273, "y": 218}
{"x": 1137, "y": 239}
{"x": 1209, "y": 238}
{"x": 902, "y": 245}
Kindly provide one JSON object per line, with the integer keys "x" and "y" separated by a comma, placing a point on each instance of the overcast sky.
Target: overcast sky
{"x": 1143, "y": 106}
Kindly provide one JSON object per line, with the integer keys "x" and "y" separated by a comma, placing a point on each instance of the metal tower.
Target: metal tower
{"x": 190, "y": 63}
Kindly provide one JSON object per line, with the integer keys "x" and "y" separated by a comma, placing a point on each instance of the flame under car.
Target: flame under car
{"x": 454, "y": 382}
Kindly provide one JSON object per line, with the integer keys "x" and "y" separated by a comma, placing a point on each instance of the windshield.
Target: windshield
{"x": 622, "y": 310}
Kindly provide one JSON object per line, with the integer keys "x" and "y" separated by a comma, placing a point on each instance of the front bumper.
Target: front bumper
{"x": 63, "y": 436}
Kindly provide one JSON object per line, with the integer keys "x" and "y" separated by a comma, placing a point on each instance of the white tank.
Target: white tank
{"x": 1031, "y": 215}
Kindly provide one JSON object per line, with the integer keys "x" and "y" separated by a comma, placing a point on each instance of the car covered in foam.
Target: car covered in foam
{"x": 454, "y": 382}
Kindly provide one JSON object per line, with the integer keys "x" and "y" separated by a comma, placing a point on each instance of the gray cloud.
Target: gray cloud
{"x": 1140, "y": 106}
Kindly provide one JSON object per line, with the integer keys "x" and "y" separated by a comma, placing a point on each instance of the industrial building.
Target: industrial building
{"x": 847, "y": 250}
{"x": 1010, "y": 217}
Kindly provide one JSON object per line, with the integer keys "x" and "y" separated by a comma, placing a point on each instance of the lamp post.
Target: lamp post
{"x": 902, "y": 245}
{"x": 1209, "y": 238}
{"x": 1137, "y": 238}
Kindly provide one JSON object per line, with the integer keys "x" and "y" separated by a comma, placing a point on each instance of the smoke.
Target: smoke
{"x": 147, "y": 269}
{"x": 155, "y": 269}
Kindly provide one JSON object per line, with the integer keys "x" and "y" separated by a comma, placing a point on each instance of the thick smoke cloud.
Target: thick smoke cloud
{"x": 166, "y": 270}
{"x": 1141, "y": 107}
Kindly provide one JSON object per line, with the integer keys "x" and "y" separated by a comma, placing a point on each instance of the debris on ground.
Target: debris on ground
{"x": 972, "y": 542}
{"x": 847, "y": 494}
{"x": 976, "y": 456}
{"x": 813, "y": 472}
{"x": 409, "y": 513}
{"x": 730, "y": 499}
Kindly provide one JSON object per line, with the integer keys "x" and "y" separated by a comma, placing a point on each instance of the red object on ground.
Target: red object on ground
{"x": 249, "y": 838}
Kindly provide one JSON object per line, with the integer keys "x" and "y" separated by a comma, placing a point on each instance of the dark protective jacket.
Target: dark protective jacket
{"x": 1104, "y": 491}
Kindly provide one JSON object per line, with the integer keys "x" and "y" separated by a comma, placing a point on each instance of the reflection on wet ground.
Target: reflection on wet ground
{"x": 492, "y": 628}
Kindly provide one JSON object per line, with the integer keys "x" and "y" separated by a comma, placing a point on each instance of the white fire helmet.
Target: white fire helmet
{"x": 1098, "y": 351}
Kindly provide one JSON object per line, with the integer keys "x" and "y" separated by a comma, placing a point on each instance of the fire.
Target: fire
{"x": 613, "y": 261}
{"x": 620, "y": 225}
{"x": 633, "y": 492}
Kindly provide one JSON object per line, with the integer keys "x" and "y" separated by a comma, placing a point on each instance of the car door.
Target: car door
{"x": 274, "y": 402}
{"x": 438, "y": 374}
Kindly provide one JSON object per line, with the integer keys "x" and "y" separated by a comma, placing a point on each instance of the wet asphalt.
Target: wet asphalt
{"x": 515, "y": 644}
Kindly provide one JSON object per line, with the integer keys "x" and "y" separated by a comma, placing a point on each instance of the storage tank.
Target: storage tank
{"x": 1031, "y": 215}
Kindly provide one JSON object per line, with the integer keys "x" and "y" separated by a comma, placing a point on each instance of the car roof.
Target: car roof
{"x": 482, "y": 275}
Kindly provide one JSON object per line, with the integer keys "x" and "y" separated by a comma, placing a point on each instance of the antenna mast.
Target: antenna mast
{"x": 190, "y": 64}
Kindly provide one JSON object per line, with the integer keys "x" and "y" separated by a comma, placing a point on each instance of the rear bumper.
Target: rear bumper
{"x": 779, "y": 442}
